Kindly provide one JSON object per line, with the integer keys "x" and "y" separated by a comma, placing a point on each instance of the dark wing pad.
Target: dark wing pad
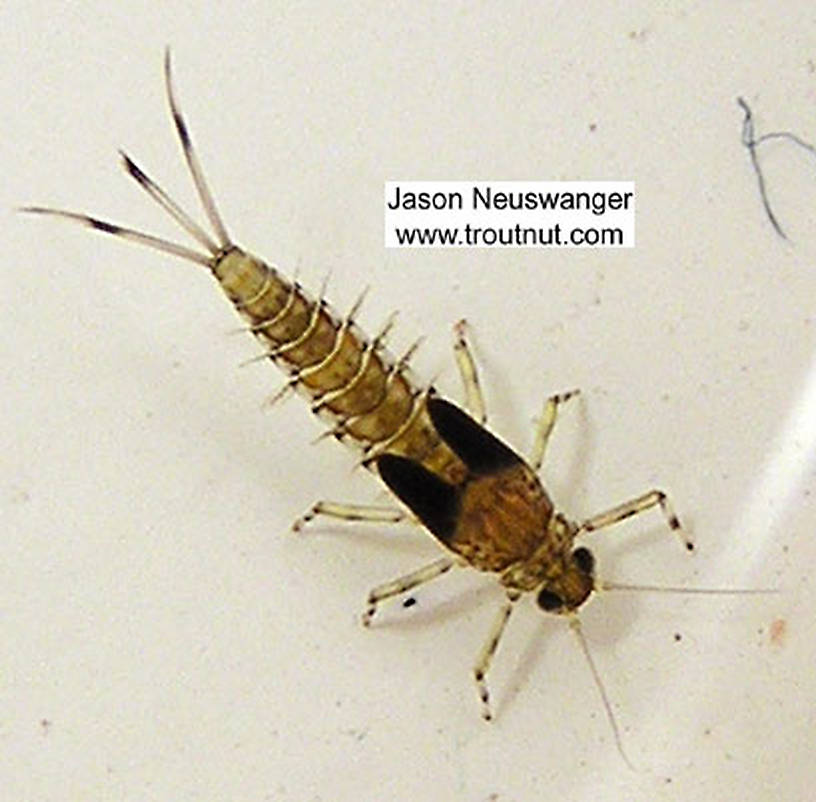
{"x": 432, "y": 500}
{"x": 473, "y": 444}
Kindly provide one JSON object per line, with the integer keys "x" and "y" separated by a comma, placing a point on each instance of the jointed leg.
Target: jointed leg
{"x": 474, "y": 400}
{"x": 487, "y": 652}
{"x": 637, "y": 505}
{"x": 545, "y": 426}
{"x": 351, "y": 512}
{"x": 404, "y": 584}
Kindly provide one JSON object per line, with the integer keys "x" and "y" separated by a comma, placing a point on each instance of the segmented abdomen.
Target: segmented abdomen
{"x": 350, "y": 379}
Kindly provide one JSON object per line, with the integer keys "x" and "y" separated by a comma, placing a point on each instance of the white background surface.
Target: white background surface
{"x": 163, "y": 637}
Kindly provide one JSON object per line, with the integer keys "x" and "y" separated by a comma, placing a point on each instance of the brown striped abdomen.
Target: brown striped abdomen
{"x": 369, "y": 397}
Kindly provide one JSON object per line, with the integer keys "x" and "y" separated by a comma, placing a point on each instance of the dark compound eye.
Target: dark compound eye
{"x": 584, "y": 560}
{"x": 549, "y": 601}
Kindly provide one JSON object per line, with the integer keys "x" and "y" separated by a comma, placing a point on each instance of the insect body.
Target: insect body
{"x": 480, "y": 499}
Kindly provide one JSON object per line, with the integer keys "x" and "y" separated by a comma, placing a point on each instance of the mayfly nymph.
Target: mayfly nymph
{"x": 481, "y": 501}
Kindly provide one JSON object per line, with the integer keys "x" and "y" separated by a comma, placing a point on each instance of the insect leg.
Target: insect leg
{"x": 634, "y": 507}
{"x": 488, "y": 650}
{"x": 403, "y": 584}
{"x": 474, "y": 400}
{"x": 545, "y": 426}
{"x": 350, "y": 512}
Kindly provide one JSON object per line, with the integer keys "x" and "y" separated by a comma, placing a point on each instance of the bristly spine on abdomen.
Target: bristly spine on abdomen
{"x": 353, "y": 381}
